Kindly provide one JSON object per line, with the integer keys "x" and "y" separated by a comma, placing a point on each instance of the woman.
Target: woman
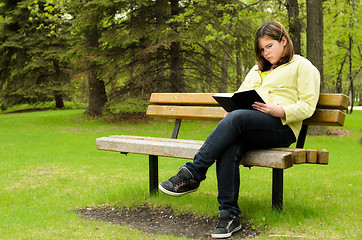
{"x": 289, "y": 85}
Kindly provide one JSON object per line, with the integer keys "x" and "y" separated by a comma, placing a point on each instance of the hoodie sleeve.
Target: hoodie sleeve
{"x": 251, "y": 81}
{"x": 308, "y": 87}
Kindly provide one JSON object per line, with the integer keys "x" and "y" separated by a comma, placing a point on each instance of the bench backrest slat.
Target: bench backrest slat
{"x": 202, "y": 106}
{"x": 187, "y": 99}
{"x": 186, "y": 112}
{"x": 326, "y": 117}
{"x": 333, "y": 101}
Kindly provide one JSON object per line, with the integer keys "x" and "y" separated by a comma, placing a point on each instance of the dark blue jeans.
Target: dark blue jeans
{"x": 238, "y": 132}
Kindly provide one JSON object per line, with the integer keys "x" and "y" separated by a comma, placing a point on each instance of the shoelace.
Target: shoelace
{"x": 224, "y": 222}
{"x": 177, "y": 181}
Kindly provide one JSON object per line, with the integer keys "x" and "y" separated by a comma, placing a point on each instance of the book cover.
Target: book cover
{"x": 238, "y": 100}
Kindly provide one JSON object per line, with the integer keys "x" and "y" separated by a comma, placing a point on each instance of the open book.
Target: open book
{"x": 238, "y": 100}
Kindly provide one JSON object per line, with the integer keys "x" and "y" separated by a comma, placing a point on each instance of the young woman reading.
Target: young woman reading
{"x": 289, "y": 85}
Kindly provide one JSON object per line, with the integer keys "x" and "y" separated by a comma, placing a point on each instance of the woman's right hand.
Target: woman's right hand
{"x": 271, "y": 109}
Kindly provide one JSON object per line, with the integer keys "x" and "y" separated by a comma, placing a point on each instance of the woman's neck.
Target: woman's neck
{"x": 272, "y": 67}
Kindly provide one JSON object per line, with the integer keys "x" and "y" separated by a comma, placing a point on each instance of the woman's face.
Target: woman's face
{"x": 272, "y": 50}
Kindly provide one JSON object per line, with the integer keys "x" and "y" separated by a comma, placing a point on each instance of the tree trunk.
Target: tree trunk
{"x": 315, "y": 35}
{"x": 161, "y": 7}
{"x": 339, "y": 77}
{"x": 208, "y": 69}
{"x": 239, "y": 71}
{"x": 162, "y": 14}
{"x": 177, "y": 82}
{"x": 351, "y": 88}
{"x": 295, "y": 25}
{"x": 177, "y": 72}
{"x": 351, "y": 78}
{"x": 58, "y": 97}
{"x": 97, "y": 93}
{"x": 224, "y": 69}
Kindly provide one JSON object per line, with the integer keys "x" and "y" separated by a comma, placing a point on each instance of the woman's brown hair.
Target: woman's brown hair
{"x": 276, "y": 31}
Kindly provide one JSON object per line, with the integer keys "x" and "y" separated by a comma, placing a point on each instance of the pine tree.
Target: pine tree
{"x": 33, "y": 67}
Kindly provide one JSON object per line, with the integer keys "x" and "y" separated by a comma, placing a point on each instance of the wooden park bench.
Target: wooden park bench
{"x": 201, "y": 106}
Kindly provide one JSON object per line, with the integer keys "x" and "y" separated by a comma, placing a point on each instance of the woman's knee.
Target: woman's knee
{"x": 243, "y": 118}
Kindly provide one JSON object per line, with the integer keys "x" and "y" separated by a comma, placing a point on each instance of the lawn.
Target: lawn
{"x": 50, "y": 167}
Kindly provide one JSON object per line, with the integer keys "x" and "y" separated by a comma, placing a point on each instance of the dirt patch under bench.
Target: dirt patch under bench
{"x": 156, "y": 220}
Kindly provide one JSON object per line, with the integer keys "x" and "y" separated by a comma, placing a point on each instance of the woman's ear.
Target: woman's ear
{"x": 284, "y": 41}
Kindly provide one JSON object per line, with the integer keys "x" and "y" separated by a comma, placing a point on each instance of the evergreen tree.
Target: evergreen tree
{"x": 87, "y": 24}
{"x": 32, "y": 66}
{"x": 12, "y": 54}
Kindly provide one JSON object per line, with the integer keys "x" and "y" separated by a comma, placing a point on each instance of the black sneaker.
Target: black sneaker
{"x": 183, "y": 182}
{"x": 227, "y": 224}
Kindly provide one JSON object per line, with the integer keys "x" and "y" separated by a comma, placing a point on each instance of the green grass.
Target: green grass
{"x": 50, "y": 167}
{"x": 43, "y": 106}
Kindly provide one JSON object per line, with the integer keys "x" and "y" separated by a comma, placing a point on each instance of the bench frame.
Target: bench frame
{"x": 329, "y": 112}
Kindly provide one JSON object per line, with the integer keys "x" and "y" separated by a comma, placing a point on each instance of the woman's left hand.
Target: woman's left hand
{"x": 270, "y": 108}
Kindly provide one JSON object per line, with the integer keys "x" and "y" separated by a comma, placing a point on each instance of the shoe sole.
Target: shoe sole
{"x": 174, "y": 193}
{"x": 226, "y": 235}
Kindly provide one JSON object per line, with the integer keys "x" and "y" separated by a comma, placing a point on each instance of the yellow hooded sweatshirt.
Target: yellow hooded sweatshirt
{"x": 294, "y": 86}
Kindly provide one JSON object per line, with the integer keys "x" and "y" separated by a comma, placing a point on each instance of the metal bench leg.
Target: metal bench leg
{"x": 153, "y": 174}
{"x": 277, "y": 191}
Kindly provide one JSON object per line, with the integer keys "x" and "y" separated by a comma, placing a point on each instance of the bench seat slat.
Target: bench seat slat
{"x": 178, "y": 149}
{"x": 281, "y": 158}
{"x": 186, "y": 150}
{"x": 268, "y": 158}
{"x": 158, "y": 139}
{"x": 301, "y": 155}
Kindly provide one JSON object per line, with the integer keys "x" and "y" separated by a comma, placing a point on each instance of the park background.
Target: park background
{"x": 99, "y": 61}
{"x": 110, "y": 55}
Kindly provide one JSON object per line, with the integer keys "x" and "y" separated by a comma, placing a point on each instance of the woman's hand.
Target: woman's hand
{"x": 271, "y": 109}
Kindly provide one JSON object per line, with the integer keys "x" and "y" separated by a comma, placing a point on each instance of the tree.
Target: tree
{"x": 121, "y": 49}
{"x": 352, "y": 23}
{"x": 51, "y": 41}
{"x": 176, "y": 58}
{"x": 315, "y": 35}
{"x": 11, "y": 53}
{"x": 221, "y": 32}
{"x": 295, "y": 25}
{"x": 32, "y": 66}
{"x": 343, "y": 50}
{"x": 88, "y": 24}
{"x": 153, "y": 56}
